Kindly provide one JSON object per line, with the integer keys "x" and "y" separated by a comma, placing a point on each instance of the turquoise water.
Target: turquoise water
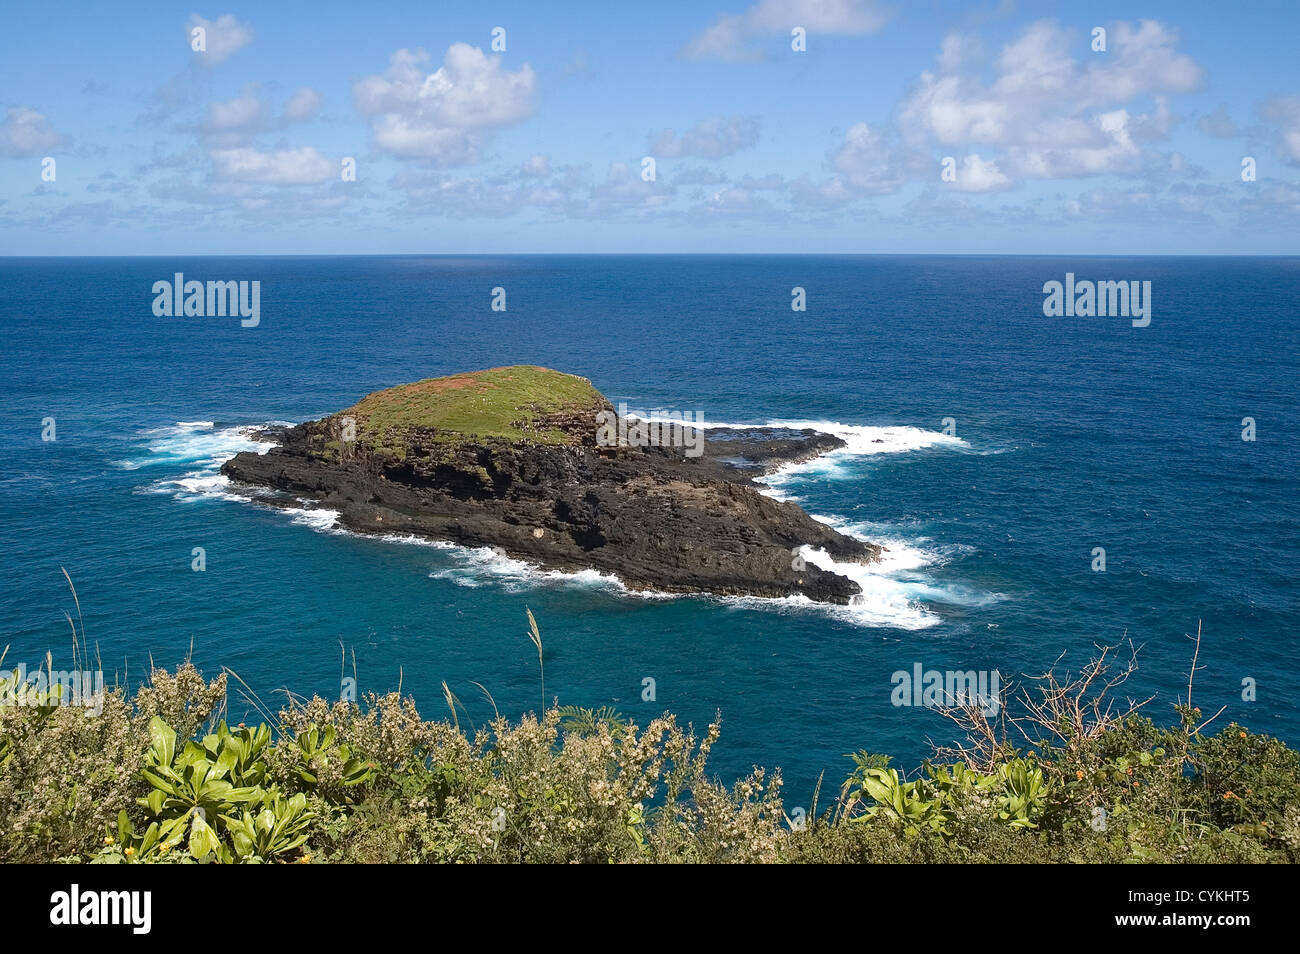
{"x": 1070, "y": 434}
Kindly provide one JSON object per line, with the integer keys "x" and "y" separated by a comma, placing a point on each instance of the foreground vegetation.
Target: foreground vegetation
{"x": 158, "y": 777}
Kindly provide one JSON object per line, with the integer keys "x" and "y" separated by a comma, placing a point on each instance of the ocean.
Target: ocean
{"x": 993, "y": 449}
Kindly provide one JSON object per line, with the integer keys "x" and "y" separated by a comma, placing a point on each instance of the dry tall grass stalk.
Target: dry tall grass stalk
{"x": 536, "y": 637}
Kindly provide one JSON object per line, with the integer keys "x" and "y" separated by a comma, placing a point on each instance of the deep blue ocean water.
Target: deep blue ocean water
{"x": 1073, "y": 433}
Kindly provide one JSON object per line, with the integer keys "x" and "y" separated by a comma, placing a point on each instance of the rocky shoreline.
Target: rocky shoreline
{"x": 652, "y": 516}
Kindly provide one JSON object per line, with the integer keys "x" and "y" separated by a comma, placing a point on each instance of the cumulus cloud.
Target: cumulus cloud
{"x": 234, "y": 121}
{"x": 979, "y": 175}
{"x": 536, "y": 184}
{"x": 1275, "y": 204}
{"x": 1139, "y": 207}
{"x": 537, "y": 166}
{"x": 735, "y": 202}
{"x": 444, "y": 116}
{"x": 698, "y": 175}
{"x": 1284, "y": 111}
{"x": 733, "y": 37}
{"x": 1038, "y": 112}
{"x": 109, "y": 182}
{"x": 304, "y": 166}
{"x": 185, "y": 201}
{"x": 714, "y": 138}
{"x": 302, "y": 105}
{"x": 865, "y": 162}
{"x": 245, "y": 113}
{"x": 625, "y": 193}
{"x": 1179, "y": 166}
{"x": 1218, "y": 124}
{"x": 1050, "y": 115}
{"x": 224, "y": 37}
{"x": 25, "y": 133}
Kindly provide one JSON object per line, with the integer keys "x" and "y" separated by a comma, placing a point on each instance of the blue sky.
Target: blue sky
{"x": 1055, "y": 147}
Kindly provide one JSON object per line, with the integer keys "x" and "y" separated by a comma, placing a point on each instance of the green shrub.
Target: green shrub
{"x": 160, "y": 777}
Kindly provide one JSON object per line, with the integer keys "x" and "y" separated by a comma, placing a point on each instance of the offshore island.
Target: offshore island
{"x": 511, "y": 458}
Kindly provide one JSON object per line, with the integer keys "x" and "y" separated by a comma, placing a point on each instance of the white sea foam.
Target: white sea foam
{"x": 884, "y": 602}
{"x": 860, "y": 440}
{"x": 482, "y": 566}
{"x": 196, "y": 442}
{"x": 900, "y": 585}
{"x": 201, "y": 448}
{"x": 198, "y": 485}
{"x": 316, "y": 518}
{"x": 892, "y": 596}
{"x": 886, "y": 599}
{"x": 897, "y": 535}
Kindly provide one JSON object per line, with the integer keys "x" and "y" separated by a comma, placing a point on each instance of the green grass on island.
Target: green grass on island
{"x": 512, "y": 403}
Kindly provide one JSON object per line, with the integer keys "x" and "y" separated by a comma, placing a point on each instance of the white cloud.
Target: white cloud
{"x": 697, "y": 175}
{"x": 1050, "y": 114}
{"x": 713, "y": 138}
{"x": 302, "y": 105}
{"x": 954, "y": 50}
{"x": 772, "y": 182}
{"x": 625, "y": 192}
{"x": 866, "y": 162}
{"x": 736, "y": 202}
{"x": 25, "y": 133}
{"x": 446, "y": 115}
{"x": 1276, "y": 203}
{"x": 1142, "y": 60}
{"x": 1285, "y": 112}
{"x": 980, "y": 175}
{"x": 1039, "y": 113}
{"x": 537, "y": 166}
{"x": 733, "y": 37}
{"x": 1218, "y": 124}
{"x": 535, "y": 184}
{"x": 830, "y": 194}
{"x": 247, "y": 112}
{"x": 224, "y": 37}
{"x": 1138, "y": 207}
{"x": 305, "y": 166}
{"x": 234, "y": 122}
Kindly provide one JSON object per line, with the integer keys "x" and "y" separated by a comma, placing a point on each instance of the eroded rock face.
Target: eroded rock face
{"x": 651, "y": 516}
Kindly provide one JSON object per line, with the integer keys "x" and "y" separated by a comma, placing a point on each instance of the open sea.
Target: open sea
{"x": 1065, "y": 435}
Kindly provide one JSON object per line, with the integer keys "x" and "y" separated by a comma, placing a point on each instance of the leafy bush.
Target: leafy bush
{"x": 160, "y": 777}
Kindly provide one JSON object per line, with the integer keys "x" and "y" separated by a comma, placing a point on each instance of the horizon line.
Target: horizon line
{"x": 667, "y": 254}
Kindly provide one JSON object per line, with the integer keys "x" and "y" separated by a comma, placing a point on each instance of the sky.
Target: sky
{"x": 853, "y": 126}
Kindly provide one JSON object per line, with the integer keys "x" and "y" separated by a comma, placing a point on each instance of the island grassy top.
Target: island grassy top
{"x": 521, "y": 402}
